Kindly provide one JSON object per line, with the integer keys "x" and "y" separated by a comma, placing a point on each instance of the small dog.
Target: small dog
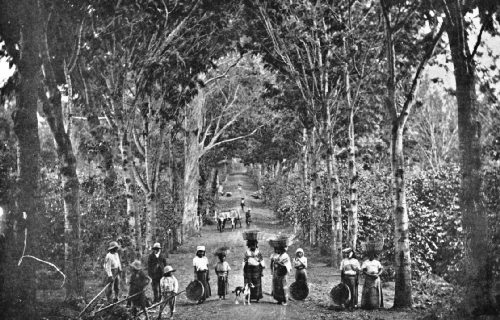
{"x": 243, "y": 292}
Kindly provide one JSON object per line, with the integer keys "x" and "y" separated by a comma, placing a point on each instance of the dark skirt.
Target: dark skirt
{"x": 372, "y": 297}
{"x": 253, "y": 274}
{"x": 202, "y": 276}
{"x": 222, "y": 285}
{"x": 352, "y": 282}
{"x": 279, "y": 286}
{"x": 301, "y": 275}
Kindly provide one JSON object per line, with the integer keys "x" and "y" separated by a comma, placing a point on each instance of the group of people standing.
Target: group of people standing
{"x": 350, "y": 270}
{"x": 160, "y": 275}
{"x": 165, "y": 286}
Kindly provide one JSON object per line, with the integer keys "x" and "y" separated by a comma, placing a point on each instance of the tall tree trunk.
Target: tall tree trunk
{"x": 134, "y": 217}
{"x": 333, "y": 184}
{"x": 478, "y": 258}
{"x": 403, "y": 289}
{"x": 52, "y": 108}
{"x": 313, "y": 189}
{"x": 18, "y": 286}
{"x": 400, "y": 215}
{"x": 304, "y": 159}
{"x": 151, "y": 212}
{"x": 190, "y": 223}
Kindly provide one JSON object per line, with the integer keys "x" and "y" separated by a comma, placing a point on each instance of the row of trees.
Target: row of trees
{"x": 146, "y": 94}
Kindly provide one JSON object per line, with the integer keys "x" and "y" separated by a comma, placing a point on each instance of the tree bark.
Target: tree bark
{"x": 52, "y": 108}
{"x": 18, "y": 300}
{"x": 479, "y": 272}
{"x": 314, "y": 189}
{"x": 402, "y": 262}
{"x": 134, "y": 217}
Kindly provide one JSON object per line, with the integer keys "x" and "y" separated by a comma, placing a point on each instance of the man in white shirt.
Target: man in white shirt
{"x": 113, "y": 268}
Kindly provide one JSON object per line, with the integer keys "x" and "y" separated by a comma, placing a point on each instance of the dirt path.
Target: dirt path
{"x": 322, "y": 278}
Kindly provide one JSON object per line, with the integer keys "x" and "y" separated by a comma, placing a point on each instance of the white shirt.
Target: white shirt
{"x": 169, "y": 284}
{"x": 350, "y": 266}
{"x": 200, "y": 263}
{"x": 372, "y": 267}
{"x": 112, "y": 261}
{"x": 297, "y": 262}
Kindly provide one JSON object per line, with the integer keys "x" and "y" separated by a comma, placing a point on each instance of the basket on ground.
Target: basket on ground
{"x": 340, "y": 295}
{"x": 372, "y": 245}
{"x": 194, "y": 290}
{"x": 251, "y": 235}
{"x": 299, "y": 290}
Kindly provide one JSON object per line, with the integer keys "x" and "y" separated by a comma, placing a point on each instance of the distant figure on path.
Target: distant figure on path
{"x": 169, "y": 288}
{"x": 222, "y": 270}
{"x": 242, "y": 204}
{"x": 281, "y": 268}
{"x": 138, "y": 283}
{"x": 300, "y": 264}
{"x": 253, "y": 265}
{"x": 372, "y": 297}
{"x": 200, "y": 264}
{"x": 113, "y": 268}
{"x": 156, "y": 263}
{"x": 349, "y": 275}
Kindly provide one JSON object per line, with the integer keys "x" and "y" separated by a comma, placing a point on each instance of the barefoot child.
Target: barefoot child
{"x": 222, "y": 270}
{"x": 169, "y": 287}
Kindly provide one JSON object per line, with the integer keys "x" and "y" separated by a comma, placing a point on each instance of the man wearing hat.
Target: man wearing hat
{"x": 169, "y": 288}
{"x": 113, "y": 268}
{"x": 156, "y": 264}
{"x": 138, "y": 283}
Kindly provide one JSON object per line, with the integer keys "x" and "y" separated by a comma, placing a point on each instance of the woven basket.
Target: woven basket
{"x": 372, "y": 245}
{"x": 194, "y": 290}
{"x": 221, "y": 250}
{"x": 280, "y": 241}
{"x": 251, "y": 235}
{"x": 340, "y": 295}
{"x": 299, "y": 290}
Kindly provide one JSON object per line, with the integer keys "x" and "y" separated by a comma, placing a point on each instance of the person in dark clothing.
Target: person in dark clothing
{"x": 156, "y": 263}
{"x": 138, "y": 283}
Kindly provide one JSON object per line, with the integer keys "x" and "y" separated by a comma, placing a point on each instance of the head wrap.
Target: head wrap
{"x": 112, "y": 245}
{"x": 200, "y": 248}
{"x": 299, "y": 250}
{"x": 156, "y": 246}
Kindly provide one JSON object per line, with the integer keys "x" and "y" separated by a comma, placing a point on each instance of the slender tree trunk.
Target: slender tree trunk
{"x": 313, "y": 189}
{"x": 18, "y": 301}
{"x": 403, "y": 288}
{"x": 304, "y": 159}
{"x": 478, "y": 258}
{"x": 134, "y": 217}
{"x": 151, "y": 212}
{"x": 52, "y": 108}
{"x": 400, "y": 214}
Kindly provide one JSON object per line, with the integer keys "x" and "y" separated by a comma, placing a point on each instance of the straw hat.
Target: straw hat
{"x": 168, "y": 269}
{"x": 137, "y": 265}
{"x": 112, "y": 245}
{"x": 156, "y": 246}
{"x": 200, "y": 248}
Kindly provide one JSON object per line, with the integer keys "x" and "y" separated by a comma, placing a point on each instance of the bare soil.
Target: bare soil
{"x": 321, "y": 277}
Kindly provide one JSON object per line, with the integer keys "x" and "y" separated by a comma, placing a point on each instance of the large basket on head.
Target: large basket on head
{"x": 299, "y": 290}
{"x": 195, "y": 290}
{"x": 252, "y": 235}
{"x": 340, "y": 295}
{"x": 280, "y": 242}
{"x": 372, "y": 245}
{"x": 221, "y": 250}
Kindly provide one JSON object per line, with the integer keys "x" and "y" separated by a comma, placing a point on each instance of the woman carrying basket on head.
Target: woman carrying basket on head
{"x": 253, "y": 265}
{"x": 200, "y": 264}
{"x": 281, "y": 268}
